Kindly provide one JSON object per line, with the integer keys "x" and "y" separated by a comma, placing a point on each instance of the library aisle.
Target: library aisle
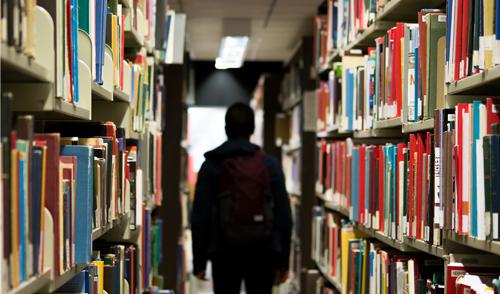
{"x": 382, "y": 115}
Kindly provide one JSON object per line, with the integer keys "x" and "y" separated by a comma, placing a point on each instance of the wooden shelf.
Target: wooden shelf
{"x": 98, "y": 92}
{"x": 424, "y": 247}
{"x": 406, "y": 10}
{"x": 34, "y": 284}
{"x": 483, "y": 245}
{"x": 399, "y": 245}
{"x": 17, "y": 67}
{"x": 420, "y": 126}
{"x": 332, "y": 281}
{"x": 70, "y": 110}
{"x": 377, "y": 133}
{"x": 99, "y": 232}
{"x": 332, "y": 132}
{"x": 485, "y": 83}
{"x": 367, "y": 37}
{"x": 387, "y": 123}
{"x": 121, "y": 96}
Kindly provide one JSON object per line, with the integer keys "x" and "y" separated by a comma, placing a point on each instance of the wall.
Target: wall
{"x": 224, "y": 87}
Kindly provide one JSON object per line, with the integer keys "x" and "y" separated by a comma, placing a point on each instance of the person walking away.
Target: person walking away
{"x": 241, "y": 218}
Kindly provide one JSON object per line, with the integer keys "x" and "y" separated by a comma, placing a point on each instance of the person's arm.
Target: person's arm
{"x": 282, "y": 213}
{"x": 201, "y": 218}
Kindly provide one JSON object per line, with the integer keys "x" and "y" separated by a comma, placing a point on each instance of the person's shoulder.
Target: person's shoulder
{"x": 272, "y": 162}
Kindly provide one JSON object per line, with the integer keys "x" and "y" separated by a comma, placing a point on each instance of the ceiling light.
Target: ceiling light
{"x": 232, "y": 52}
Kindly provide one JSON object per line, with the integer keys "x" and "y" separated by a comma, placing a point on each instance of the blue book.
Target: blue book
{"x": 393, "y": 170}
{"x": 497, "y": 20}
{"x": 22, "y": 203}
{"x": 449, "y": 20}
{"x": 74, "y": 51}
{"x": 100, "y": 28}
{"x": 355, "y": 183}
{"x": 349, "y": 99}
{"x": 167, "y": 31}
{"x": 387, "y": 159}
{"x": 417, "y": 108}
{"x": 78, "y": 284}
{"x": 84, "y": 197}
{"x": 475, "y": 136}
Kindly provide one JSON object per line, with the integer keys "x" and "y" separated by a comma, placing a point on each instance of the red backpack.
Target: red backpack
{"x": 245, "y": 204}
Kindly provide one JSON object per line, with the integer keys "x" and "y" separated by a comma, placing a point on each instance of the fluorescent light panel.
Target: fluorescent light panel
{"x": 232, "y": 52}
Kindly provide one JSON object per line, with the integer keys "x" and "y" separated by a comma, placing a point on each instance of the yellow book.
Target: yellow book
{"x": 14, "y": 257}
{"x": 114, "y": 47}
{"x": 346, "y": 234}
{"x": 100, "y": 266}
{"x": 366, "y": 252}
{"x": 489, "y": 35}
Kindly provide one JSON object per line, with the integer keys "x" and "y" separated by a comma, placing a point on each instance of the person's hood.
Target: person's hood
{"x": 236, "y": 147}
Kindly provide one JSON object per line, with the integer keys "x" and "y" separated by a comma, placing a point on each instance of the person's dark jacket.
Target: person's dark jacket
{"x": 204, "y": 201}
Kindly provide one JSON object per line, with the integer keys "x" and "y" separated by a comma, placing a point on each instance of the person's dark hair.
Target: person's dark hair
{"x": 240, "y": 121}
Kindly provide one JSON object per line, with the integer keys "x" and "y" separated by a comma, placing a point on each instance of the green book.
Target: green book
{"x": 436, "y": 56}
{"x": 84, "y": 15}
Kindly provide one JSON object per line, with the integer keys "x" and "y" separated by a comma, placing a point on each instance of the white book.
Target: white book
{"x": 466, "y": 168}
{"x": 480, "y": 196}
{"x": 411, "y": 276}
{"x": 401, "y": 188}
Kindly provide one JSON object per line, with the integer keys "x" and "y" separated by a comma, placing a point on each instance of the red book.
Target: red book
{"x": 411, "y": 194}
{"x": 398, "y": 75}
{"x": 362, "y": 168}
{"x": 465, "y": 39}
{"x": 427, "y": 173}
{"x": 492, "y": 113}
{"x": 322, "y": 172}
{"x": 348, "y": 181}
{"x": 461, "y": 109}
{"x": 52, "y": 141}
{"x": 373, "y": 178}
{"x": 328, "y": 180}
{"x": 381, "y": 187}
{"x": 458, "y": 38}
{"x": 69, "y": 174}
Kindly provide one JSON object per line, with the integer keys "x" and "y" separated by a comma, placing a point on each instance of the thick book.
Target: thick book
{"x": 84, "y": 199}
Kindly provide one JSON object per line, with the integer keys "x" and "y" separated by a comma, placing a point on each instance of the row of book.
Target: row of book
{"x": 445, "y": 180}
{"x": 85, "y": 174}
{"x": 402, "y": 76}
{"x": 121, "y": 267}
{"x": 473, "y": 34}
{"x": 361, "y": 265}
{"x": 340, "y": 25}
{"x": 107, "y": 25}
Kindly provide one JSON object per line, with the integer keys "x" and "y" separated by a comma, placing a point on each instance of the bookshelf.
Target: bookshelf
{"x": 17, "y": 67}
{"x": 99, "y": 93}
{"x": 69, "y": 104}
{"x": 333, "y": 282}
{"x": 392, "y": 128}
{"x": 485, "y": 83}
